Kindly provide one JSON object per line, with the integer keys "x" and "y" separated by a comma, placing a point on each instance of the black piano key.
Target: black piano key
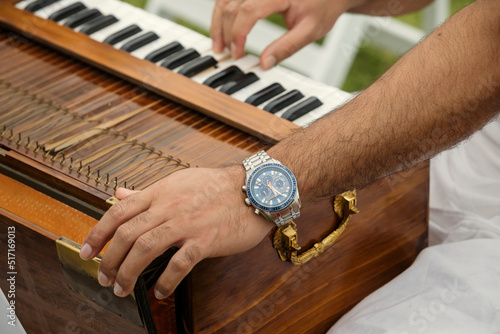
{"x": 65, "y": 12}
{"x": 82, "y": 17}
{"x": 98, "y": 23}
{"x": 123, "y": 34}
{"x": 180, "y": 58}
{"x": 198, "y": 66}
{"x": 223, "y": 76}
{"x": 302, "y": 108}
{"x": 265, "y": 94}
{"x": 239, "y": 83}
{"x": 140, "y": 41}
{"x": 283, "y": 101}
{"x": 37, "y": 5}
{"x": 164, "y": 52}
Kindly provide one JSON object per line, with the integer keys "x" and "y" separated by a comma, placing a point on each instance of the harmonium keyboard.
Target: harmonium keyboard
{"x": 96, "y": 95}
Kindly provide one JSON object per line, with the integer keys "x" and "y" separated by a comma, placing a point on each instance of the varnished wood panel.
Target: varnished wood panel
{"x": 44, "y": 303}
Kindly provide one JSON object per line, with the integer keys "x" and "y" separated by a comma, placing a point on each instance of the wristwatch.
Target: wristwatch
{"x": 271, "y": 189}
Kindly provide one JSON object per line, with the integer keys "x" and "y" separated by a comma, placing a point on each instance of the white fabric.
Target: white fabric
{"x": 454, "y": 285}
{"x": 10, "y": 323}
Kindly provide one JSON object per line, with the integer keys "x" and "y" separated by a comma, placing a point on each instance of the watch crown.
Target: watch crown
{"x": 247, "y": 201}
{"x": 257, "y": 211}
{"x": 244, "y": 188}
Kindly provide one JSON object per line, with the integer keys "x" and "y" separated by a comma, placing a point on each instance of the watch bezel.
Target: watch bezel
{"x": 282, "y": 206}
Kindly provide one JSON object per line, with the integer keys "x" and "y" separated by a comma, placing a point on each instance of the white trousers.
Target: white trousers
{"x": 454, "y": 285}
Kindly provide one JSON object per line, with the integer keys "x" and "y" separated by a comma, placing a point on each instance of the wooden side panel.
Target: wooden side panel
{"x": 44, "y": 302}
{"x": 255, "y": 292}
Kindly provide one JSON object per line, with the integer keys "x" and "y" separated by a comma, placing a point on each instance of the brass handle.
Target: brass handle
{"x": 285, "y": 237}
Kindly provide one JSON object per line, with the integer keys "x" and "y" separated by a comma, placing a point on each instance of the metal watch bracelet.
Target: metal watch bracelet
{"x": 256, "y": 160}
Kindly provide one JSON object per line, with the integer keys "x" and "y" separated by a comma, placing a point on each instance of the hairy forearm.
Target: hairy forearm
{"x": 438, "y": 94}
{"x": 389, "y": 7}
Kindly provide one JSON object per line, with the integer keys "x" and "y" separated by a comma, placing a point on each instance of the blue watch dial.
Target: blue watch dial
{"x": 271, "y": 187}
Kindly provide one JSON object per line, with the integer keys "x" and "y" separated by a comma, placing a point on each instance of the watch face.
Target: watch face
{"x": 271, "y": 187}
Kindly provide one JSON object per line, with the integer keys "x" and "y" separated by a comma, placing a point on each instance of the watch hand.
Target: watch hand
{"x": 279, "y": 193}
{"x": 270, "y": 186}
{"x": 275, "y": 190}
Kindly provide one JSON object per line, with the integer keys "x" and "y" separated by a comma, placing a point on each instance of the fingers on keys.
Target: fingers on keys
{"x": 232, "y": 21}
{"x": 288, "y": 44}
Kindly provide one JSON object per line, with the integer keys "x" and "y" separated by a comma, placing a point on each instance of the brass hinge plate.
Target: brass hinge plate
{"x": 81, "y": 276}
{"x": 112, "y": 200}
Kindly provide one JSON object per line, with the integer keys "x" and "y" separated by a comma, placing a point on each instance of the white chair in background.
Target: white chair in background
{"x": 331, "y": 61}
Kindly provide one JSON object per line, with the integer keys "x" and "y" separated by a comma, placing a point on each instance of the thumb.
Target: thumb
{"x": 122, "y": 193}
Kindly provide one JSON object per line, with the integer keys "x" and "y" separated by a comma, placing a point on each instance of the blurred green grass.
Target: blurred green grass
{"x": 370, "y": 62}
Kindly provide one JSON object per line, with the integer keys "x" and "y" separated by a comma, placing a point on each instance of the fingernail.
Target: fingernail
{"x": 103, "y": 279}
{"x": 269, "y": 62}
{"x": 118, "y": 290}
{"x": 233, "y": 50}
{"x": 86, "y": 252}
{"x": 159, "y": 295}
{"x": 215, "y": 47}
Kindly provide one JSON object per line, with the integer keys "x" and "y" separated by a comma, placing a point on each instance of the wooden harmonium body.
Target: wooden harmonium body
{"x": 72, "y": 130}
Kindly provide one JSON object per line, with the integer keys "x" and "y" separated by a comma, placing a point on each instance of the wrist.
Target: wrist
{"x": 235, "y": 174}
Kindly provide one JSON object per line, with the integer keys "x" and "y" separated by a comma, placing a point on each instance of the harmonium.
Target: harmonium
{"x": 98, "y": 94}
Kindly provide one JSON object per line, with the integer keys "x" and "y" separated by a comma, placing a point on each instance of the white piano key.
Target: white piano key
{"x": 91, "y": 4}
{"x": 218, "y": 56}
{"x": 283, "y": 77}
{"x": 202, "y": 48}
{"x": 125, "y": 13}
{"x": 97, "y": 3}
{"x": 24, "y": 4}
{"x": 244, "y": 64}
{"x": 126, "y": 40}
{"x": 262, "y": 105}
{"x": 320, "y": 95}
{"x": 203, "y": 45}
{"x": 251, "y": 89}
{"x": 292, "y": 80}
{"x": 330, "y": 102}
{"x": 101, "y": 35}
{"x": 166, "y": 36}
{"x": 45, "y": 12}
{"x": 147, "y": 49}
{"x": 278, "y": 74}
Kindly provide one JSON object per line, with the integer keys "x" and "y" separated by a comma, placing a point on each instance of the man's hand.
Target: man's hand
{"x": 307, "y": 21}
{"x": 200, "y": 211}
